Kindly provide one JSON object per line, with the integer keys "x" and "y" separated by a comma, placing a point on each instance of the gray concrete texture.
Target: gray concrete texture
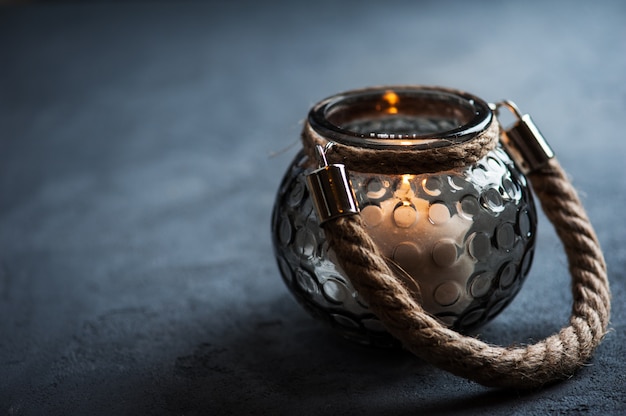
{"x": 136, "y": 185}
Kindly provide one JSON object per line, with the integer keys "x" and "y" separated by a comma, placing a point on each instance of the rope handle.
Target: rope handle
{"x": 554, "y": 358}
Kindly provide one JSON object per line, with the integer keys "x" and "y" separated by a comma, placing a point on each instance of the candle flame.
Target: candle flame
{"x": 392, "y": 100}
{"x": 404, "y": 190}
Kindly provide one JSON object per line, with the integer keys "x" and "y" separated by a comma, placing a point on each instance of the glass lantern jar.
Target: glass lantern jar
{"x": 461, "y": 239}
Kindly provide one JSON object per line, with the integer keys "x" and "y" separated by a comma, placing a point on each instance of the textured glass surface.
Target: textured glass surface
{"x": 466, "y": 237}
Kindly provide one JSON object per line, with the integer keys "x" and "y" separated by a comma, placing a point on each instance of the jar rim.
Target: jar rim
{"x": 468, "y": 115}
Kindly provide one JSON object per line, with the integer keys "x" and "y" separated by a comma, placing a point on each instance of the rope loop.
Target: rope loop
{"x": 554, "y": 358}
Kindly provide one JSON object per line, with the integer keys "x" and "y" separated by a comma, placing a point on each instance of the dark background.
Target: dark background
{"x": 136, "y": 185}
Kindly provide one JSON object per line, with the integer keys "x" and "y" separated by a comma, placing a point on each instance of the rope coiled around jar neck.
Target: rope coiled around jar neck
{"x": 391, "y": 161}
{"x": 554, "y": 358}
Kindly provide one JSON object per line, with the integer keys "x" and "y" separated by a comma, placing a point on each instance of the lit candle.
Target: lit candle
{"x": 462, "y": 238}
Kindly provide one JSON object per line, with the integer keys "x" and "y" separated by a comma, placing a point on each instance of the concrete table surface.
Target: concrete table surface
{"x": 141, "y": 145}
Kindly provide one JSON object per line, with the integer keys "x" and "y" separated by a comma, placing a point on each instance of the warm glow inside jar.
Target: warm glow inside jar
{"x": 464, "y": 236}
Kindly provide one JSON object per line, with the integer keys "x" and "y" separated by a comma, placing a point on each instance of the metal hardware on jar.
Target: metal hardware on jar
{"x": 462, "y": 238}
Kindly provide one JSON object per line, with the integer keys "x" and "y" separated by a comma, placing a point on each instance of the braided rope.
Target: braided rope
{"x": 553, "y": 358}
{"x": 388, "y": 161}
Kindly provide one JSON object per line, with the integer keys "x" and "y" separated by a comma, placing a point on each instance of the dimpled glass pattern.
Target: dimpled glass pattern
{"x": 466, "y": 237}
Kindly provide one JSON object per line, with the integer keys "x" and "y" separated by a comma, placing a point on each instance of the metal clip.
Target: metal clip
{"x": 330, "y": 190}
{"x": 524, "y": 141}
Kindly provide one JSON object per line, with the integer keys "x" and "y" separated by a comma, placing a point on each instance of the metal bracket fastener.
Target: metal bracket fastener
{"x": 330, "y": 190}
{"x": 524, "y": 141}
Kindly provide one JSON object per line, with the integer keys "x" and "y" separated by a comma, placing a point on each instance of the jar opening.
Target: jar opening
{"x": 418, "y": 117}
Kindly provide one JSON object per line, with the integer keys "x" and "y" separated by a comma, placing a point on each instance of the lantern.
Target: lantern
{"x": 461, "y": 238}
